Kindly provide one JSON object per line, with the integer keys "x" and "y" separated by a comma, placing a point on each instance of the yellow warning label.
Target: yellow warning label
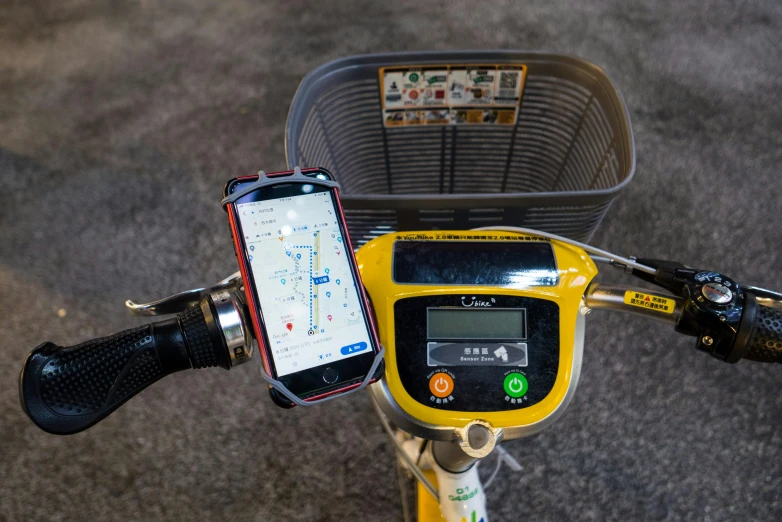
{"x": 475, "y": 116}
{"x": 652, "y": 302}
{"x": 506, "y": 117}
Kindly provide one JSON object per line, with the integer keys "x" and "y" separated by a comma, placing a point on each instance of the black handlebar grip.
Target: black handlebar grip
{"x": 65, "y": 390}
{"x": 765, "y": 338}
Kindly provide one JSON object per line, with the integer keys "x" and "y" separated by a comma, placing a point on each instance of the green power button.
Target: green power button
{"x": 515, "y": 385}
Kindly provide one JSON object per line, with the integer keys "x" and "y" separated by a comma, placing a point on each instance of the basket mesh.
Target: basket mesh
{"x": 562, "y": 141}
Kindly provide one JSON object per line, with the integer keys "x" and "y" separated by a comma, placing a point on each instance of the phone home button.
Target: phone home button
{"x": 330, "y": 375}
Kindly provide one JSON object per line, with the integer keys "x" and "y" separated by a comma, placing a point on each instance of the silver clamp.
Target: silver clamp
{"x": 180, "y": 302}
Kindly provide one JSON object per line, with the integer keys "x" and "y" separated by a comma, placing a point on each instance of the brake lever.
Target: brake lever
{"x": 180, "y": 302}
{"x": 714, "y": 306}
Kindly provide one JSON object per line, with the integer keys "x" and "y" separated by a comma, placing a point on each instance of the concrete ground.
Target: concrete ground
{"x": 119, "y": 124}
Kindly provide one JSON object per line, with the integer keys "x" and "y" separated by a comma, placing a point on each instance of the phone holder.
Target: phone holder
{"x": 265, "y": 181}
{"x": 280, "y": 387}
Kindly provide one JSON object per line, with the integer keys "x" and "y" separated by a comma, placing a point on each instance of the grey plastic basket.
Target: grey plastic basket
{"x": 557, "y": 169}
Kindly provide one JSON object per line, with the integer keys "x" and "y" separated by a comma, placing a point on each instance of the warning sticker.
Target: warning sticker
{"x": 652, "y": 302}
{"x": 451, "y": 95}
{"x": 394, "y": 118}
{"x": 473, "y": 85}
{"x": 414, "y": 87}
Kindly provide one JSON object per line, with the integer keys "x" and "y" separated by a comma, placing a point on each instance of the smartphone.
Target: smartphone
{"x": 308, "y": 307}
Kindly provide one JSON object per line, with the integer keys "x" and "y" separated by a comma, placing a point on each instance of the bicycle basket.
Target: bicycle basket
{"x": 554, "y": 162}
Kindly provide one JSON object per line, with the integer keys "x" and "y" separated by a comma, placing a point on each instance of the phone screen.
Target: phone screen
{"x": 302, "y": 276}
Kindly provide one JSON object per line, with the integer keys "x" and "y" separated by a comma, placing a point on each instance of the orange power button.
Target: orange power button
{"x": 441, "y": 385}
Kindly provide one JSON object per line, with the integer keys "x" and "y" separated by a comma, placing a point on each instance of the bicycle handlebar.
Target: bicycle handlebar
{"x": 65, "y": 390}
{"x": 758, "y": 332}
{"x": 600, "y": 296}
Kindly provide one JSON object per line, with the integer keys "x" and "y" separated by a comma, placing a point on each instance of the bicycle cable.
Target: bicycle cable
{"x": 599, "y": 253}
{"x": 415, "y": 470}
{"x": 494, "y": 473}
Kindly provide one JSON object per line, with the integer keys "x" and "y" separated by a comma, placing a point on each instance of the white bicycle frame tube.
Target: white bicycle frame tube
{"x": 462, "y": 498}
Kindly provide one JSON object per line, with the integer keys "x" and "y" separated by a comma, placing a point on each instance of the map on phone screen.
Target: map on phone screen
{"x": 302, "y": 274}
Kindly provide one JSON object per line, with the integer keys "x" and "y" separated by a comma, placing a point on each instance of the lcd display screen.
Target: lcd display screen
{"x": 476, "y": 323}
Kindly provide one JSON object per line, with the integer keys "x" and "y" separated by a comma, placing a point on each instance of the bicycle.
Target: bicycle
{"x": 64, "y": 390}
{"x": 531, "y": 373}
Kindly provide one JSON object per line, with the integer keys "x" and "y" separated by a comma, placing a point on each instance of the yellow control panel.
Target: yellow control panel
{"x": 476, "y": 324}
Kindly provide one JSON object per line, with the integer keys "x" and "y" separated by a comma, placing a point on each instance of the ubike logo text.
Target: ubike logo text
{"x": 476, "y": 303}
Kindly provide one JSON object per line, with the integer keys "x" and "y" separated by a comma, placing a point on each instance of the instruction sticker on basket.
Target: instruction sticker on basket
{"x": 451, "y": 94}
